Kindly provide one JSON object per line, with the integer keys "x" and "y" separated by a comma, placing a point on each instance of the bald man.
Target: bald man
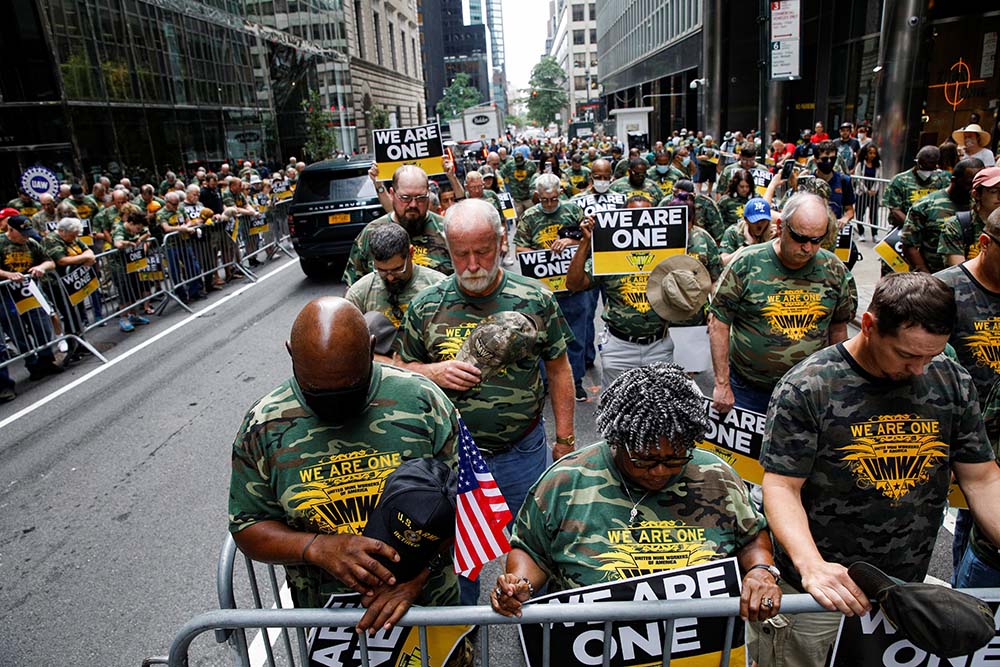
{"x": 410, "y": 209}
{"x": 311, "y": 457}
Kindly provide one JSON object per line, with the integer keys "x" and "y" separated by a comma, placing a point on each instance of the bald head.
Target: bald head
{"x": 330, "y": 345}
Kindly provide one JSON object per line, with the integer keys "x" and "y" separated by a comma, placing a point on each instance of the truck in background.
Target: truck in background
{"x": 480, "y": 122}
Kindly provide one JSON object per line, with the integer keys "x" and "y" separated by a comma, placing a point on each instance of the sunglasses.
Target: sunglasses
{"x": 802, "y": 238}
{"x": 406, "y": 199}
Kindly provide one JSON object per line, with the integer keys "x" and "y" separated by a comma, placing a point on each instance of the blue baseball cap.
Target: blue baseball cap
{"x": 757, "y": 209}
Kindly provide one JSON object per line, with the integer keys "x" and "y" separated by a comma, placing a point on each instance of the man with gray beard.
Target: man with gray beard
{"x": 502, "y": 409}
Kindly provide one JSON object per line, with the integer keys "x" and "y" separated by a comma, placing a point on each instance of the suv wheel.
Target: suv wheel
{"x": 313, "y": 268}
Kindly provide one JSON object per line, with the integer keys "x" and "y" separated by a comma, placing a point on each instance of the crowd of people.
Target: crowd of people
{"x": 77, "y": 238}
{"x": 863, "y": 433}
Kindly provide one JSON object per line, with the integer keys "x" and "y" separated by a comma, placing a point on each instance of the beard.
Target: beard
{"x": 477, "y": 281}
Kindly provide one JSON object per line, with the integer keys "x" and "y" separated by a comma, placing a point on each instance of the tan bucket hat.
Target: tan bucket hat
{"x": 678, "y": 287}
{"x": 984, "y": 136}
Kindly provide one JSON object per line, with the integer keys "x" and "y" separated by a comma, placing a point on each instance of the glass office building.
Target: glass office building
{"x": 134, "y": 87}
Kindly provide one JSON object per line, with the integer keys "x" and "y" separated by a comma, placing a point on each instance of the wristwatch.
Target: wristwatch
{"x": 775, "y": 572}
{"x": 569, "y": 440}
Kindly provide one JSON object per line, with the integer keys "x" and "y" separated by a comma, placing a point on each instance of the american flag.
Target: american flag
{"x": 482, "y": 511}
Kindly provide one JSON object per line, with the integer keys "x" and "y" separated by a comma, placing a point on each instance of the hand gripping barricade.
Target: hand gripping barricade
{"x": 38, "y": 314}
{"x": 230, "y": 623}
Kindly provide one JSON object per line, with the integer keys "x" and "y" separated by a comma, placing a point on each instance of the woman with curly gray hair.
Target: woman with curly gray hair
{"x": 643, "y": 500}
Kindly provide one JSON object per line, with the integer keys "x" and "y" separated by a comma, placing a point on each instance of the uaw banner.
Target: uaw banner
{"x": 548, "y": 267}
{"x": 398, "y": 647}
{"x": 26, "y": 296}
{"x": 761, "y": 179}
{"x": 634, "y": 240}
{"x": 871, "y": 641}
{"x": 591, "y": 203}
{"x": 135, "y": 259}
{"x": 507, "y": 202}
{"x": 890, "y": 249}
{"x": 420, "y": 146}
{"x": 736, "y": 438}
{"x": 80, "y": 282}
{"x": 696, "y": 642}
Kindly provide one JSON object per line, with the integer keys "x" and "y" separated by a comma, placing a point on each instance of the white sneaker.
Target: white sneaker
{"x": 63, "y": 346}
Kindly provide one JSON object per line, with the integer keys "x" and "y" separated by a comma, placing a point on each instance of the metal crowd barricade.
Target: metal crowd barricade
{"x": 129, "y": 279}
{"x": 230, "y": 623}
{"x": 36, "y": 320}
{"x": 868, "y": 209}
{"x": 193, "y": 260}
{"x": 263, "y": 237}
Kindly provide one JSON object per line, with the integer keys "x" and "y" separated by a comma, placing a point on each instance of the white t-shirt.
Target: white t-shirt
{"x": 985, "y": 155}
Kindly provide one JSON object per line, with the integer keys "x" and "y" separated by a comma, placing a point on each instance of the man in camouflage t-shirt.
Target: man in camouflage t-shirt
{"x": 860, "y": 446}
{"x": 907, "y": 188}
{"x": 922, "y": 228}
{"x": 635, "y": 182}
{"x": 410, "y": 201}
{"x": 959, "y": 239}
{"x": 544, "y": 227}
{"x": 504, "y": 410}
{"x": 517, "y": 175}
{"x": 577, "y": 177}
{"x": 308, "y": 466}
{"x": 775, "y": 304}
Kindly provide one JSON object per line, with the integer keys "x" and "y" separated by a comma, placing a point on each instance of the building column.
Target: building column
{"x": 710, "y": 112}
{"x": 900, "y": 39}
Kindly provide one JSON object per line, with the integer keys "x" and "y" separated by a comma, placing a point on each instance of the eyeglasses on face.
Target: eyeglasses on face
{"x": 394, "y": 272}
{"x": 406, "y": 199}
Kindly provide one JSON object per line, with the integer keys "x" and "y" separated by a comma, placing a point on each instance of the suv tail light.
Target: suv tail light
{"x": 291, "y": 225}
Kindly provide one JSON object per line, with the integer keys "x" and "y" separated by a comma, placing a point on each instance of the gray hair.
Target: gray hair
{"x": 66, "y": 210}
{"x": 644, "y": 404}
{"x": 70, "y": 226}
{"x": 387, "y": 241}
{"x": 473, "y": 176}
{"x": 547, "y": 183}
{"x": 193, "y": 188}
{"x": 172, "y": 197}
{"x": 169, "y": 175}
{"x": 796, "y": 201}
{"x": 473, "y": 209}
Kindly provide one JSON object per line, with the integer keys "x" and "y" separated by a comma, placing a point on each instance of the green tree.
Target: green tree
{"x": 547, "y": 96}
{"x": 321, "y": 140}
{"x": 458, "y": 97}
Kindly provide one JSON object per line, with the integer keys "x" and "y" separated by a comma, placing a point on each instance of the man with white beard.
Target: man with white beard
{"x": 501, "y": 406}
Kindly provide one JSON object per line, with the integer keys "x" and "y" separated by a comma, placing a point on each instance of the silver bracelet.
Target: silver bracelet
{"x": 531, "y": 589}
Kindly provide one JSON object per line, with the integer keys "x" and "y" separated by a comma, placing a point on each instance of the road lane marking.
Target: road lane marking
{"x": 141, "y": 346}
{"x": 256, "y": 652}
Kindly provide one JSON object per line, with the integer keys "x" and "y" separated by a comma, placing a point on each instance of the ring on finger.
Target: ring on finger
{"x": 767, "y": 603}
{"x": 497, "y": 591}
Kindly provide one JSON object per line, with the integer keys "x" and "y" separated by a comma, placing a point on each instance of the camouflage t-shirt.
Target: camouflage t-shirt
{"x": 439, "y": 320}
{"x": 289, "y": 466}
{"x": 703, "y": 248}
{"x": 709, "y": 217}
{"x": 650, "y": 190}
{"x": 731, "y": 209}
{"x": 735, "y": 238}
{"x": 626, "y": 306}
{"x": 667, "y": 179}
{"x": 492, "y": 198}
{"x": 427, "y": 237}
{"x": 28, "y": 208}
{"x": 537, "y": 229}
{"x": 576, "y": 181}
{"x": 952, "y": 238}
{"x": 575, "y": 520}
{"x": 875, "y": 454}
{"x": 779, "y": 316}
{"x": 370, "y": 294}
{"x": 906, "y": 189}
{"x": 106, "y": 220}
{"x": 86, "y": 208}
{"x": 19, "y": 257}
{"x": 44, "y": 222}
{"x": 56, "y": 248}
{"x": 722, "y": 183}
{"x": 976, "y": 336}
{"x": 923, "y": 226}
{"x": 518, "y": 179}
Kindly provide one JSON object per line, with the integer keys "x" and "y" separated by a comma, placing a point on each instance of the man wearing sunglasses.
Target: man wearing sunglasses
{"x": 396, "y": 278}
{"x": 410, "y": 209}
{"x": 775, "y": 304}
{"x": 312, "y": 455}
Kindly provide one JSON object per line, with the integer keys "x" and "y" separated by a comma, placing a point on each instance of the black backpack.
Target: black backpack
{"x": 965, "y": 220}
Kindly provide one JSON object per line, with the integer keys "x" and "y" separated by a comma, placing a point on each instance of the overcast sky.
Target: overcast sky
{"x": 524, "y": 37}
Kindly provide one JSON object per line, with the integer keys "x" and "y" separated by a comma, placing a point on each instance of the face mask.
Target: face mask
{"x": 685, "y": 161}
{"x": 662, "y": 168}
{"x": 339, "y": 406}
{"x": 825, "y": 166}
{"x": 923, "y": 174}
{"x": 602, "y": 186}
{"x": 862, "y": 137}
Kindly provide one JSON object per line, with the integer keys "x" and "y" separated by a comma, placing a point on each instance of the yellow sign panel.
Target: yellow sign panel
{"x": 634, "y": 240}
{"x": 890, "y": 249}
{"x": 419, "y": 145}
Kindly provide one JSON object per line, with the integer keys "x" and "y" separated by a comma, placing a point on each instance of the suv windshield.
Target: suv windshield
{"x": 334, "y": 186}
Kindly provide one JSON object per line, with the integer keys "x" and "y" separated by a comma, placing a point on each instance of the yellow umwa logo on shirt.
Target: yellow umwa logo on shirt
{"x": 794, "y": 312}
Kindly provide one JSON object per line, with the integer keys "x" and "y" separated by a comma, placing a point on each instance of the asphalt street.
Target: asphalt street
{"x": 113, "y": 490}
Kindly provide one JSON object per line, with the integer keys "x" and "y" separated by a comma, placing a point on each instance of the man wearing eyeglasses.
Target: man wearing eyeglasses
{"x": 775, "y": 304}
{"x": 410, "y": 203}
{"x": 554, "y": 225}
{"x": 395, "y": 280}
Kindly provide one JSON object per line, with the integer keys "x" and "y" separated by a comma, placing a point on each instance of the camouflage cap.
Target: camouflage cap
{"x": 814, "y": 185}
{"x": 497, "y": 341}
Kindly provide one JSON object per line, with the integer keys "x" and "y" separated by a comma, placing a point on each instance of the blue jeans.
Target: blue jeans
{"x": 176, "y": 255}
{"x": 974, "y": 573}
{"x": 589, "y": 347}
{"x": 575, "y": 307}
{"x": 963, "y": 524}
{"x": 515, "y": 472}
{"x": 746, "y": 395}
